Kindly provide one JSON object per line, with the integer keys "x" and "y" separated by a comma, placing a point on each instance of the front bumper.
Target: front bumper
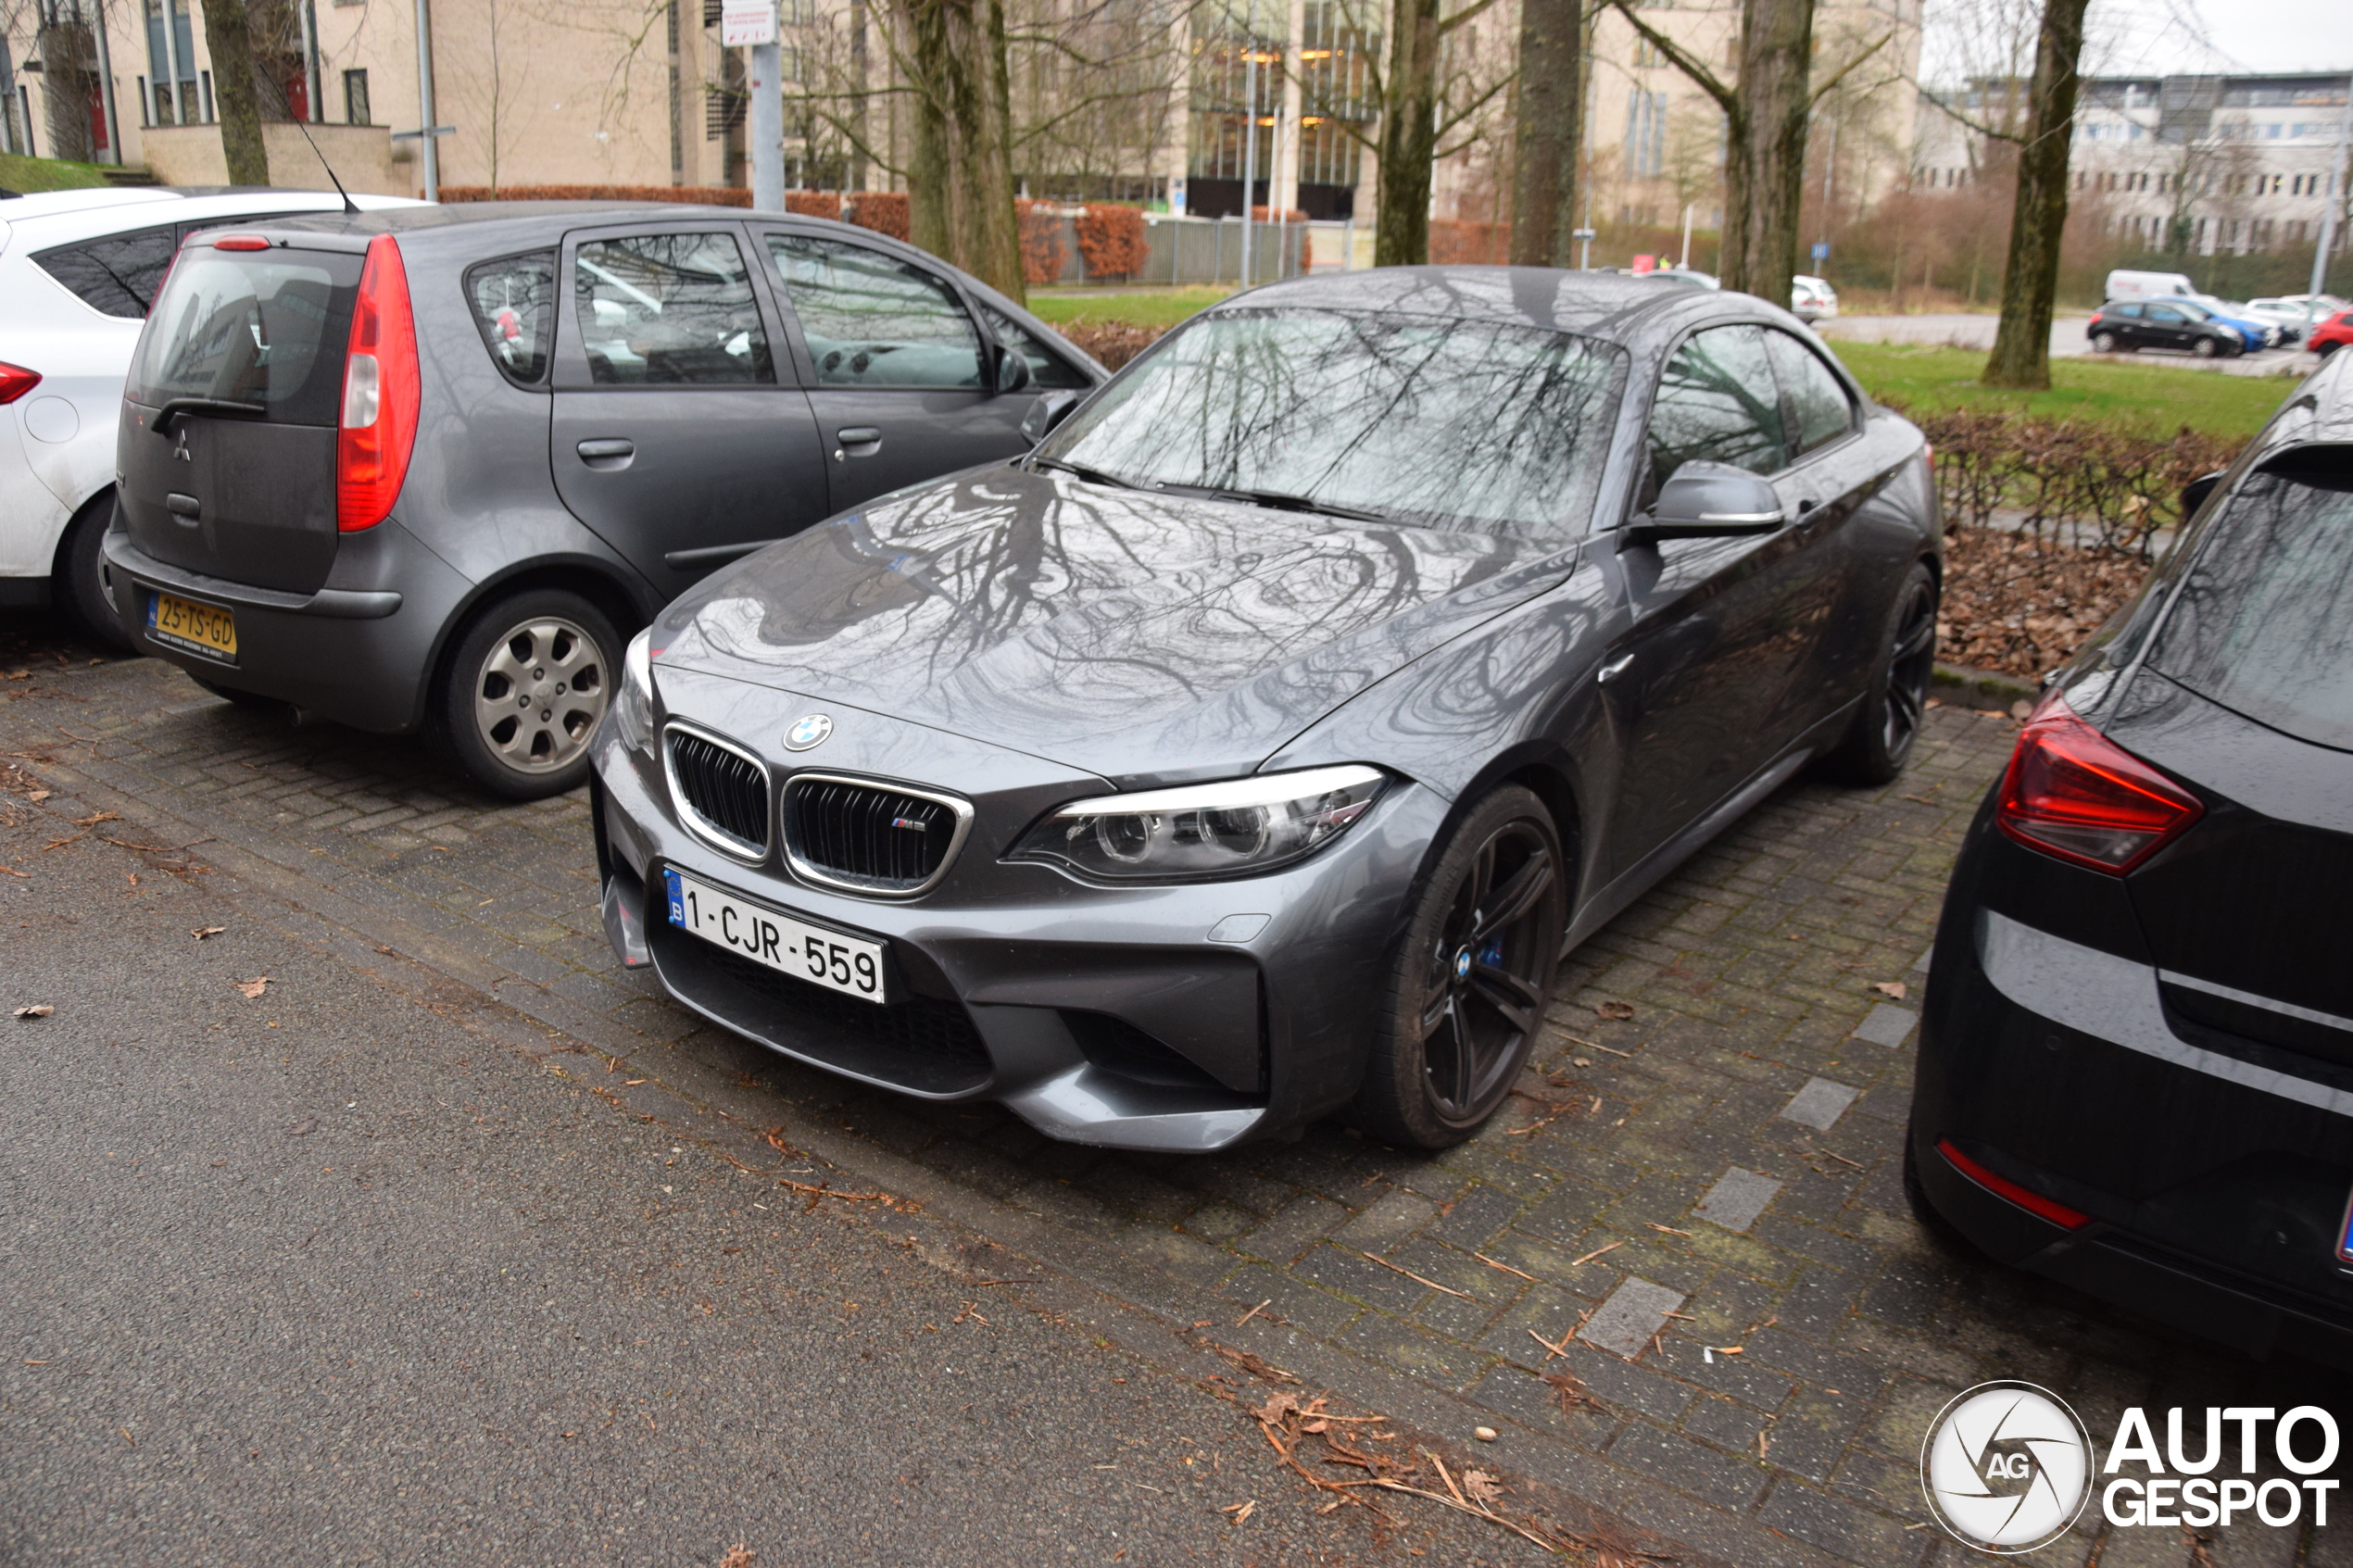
{"x": 2214, "y": 1172}
{"x": 1099, "y": 1015}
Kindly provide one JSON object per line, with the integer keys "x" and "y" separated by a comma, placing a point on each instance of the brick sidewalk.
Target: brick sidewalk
{"x": 1694, "y": 1207}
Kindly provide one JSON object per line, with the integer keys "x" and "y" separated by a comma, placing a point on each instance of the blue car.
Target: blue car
{"x": 2257, "y": 335}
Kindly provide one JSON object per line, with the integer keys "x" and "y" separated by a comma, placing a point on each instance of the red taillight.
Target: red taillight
{"x": 381, "y": 387}
{"x": 2033, "y": 1202}
{"x": 2072, "y": 793}
{"x": 16, "y": 381}
{"x": 241, "y": 242}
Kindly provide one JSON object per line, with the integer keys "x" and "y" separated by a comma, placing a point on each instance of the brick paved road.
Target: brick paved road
{"x": 1719, "y": 1169}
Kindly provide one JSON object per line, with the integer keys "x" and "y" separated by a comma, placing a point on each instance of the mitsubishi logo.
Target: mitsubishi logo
{"x": 180, "y": 451}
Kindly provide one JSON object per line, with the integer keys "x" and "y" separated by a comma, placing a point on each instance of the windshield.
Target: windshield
{"x": 264, "y": 327}
{"x": 2264, "y": 622}
{"x": 1476, "y": 425}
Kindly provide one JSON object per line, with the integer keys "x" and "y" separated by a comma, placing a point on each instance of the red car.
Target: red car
{"x": 2330, "y": 334}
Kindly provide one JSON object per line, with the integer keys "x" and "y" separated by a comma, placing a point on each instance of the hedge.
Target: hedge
{"x": 700, "y": 196}
{"x": 1111, "y": 241}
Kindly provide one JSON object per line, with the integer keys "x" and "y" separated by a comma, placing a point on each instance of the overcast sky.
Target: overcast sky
{"x": 2158, "y": 36}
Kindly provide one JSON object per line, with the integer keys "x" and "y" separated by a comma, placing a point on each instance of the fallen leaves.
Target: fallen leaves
{"x": 38, "y": 1009}
{"x": 251, "y": 989}
{"x": 739, "y": 1556}
{"x": 1240, "y": 1511}
{"x": 1893, "y": 989}
{"x": 202, "y": 932}
{"x": 1615, "y": 1009}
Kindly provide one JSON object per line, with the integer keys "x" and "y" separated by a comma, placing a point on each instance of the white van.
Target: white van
{"x": 2125, "y": 284}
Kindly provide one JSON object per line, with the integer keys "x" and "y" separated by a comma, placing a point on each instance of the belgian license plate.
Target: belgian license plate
{"x": 205, "y": 629}
{"x": 768, "y": 936}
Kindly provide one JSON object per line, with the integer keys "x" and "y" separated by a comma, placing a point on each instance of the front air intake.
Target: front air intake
{"x": 867, "y": 837}
{"x": 721, "y": 793}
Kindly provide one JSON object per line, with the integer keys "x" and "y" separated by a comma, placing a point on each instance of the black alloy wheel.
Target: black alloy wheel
{"x": 1470, "y": 978}
{"x": 1880, "y": 742}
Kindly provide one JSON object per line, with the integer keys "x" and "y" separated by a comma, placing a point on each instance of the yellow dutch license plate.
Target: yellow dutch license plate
{"x": 205, "y": 629}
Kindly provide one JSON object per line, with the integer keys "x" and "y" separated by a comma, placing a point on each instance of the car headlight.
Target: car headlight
{"x": 1231, "y": 828}
{"x": 635, "y": 710}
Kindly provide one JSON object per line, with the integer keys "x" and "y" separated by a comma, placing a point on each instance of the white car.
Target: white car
{"x": 77, "y": 271}
{"x": 1812, "y": 299}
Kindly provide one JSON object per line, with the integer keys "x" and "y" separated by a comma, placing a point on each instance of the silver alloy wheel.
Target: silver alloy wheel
{"x": 539, "y": 694}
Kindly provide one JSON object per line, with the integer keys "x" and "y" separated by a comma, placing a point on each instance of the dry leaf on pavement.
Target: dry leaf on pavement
{"x": 1895, "y": 989}
{"x": 249, "y": 989}
{"x": 1240, "y": 1511}
{"x": 201, "y": 931}
{"x": 1615, "y": 1009}
{"x": 39, "y": 1010}
{"x": 739, "y": 1556}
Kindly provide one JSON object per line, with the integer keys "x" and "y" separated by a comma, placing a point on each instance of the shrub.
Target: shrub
{"x": 1470, "y": 244}
{"x": 814, "y": 204}
{"x": 700, "y": 195}
{"x": 1042, "y": 241}
{"x": 1111, "y": 344}
{"x": 883, "y": 211}
{"x": 1268, "y": 215}
{"x": 1111, "y": 241}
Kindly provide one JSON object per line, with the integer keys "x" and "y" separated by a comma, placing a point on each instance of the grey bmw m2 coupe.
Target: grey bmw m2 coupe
{"x": 1253, "y": 749}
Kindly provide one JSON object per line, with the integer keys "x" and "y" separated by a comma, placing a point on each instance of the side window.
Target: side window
{"x": 119, "y": 275}
{"x": 668, "y": 310}
{"x": 1717, "y": 402}
{"x": 514, "y": 304}
{"x": 1046, "y": 368}
{"x": 2132, "y": 311}
{"x": 1818, "y": 410}
{"x": 874, "y": 320}
{"x": 2163, "y": 313}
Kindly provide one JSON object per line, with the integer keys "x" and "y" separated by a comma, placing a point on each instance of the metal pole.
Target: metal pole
{"x": 1250, "y": 135}
{"x": 1684, "y": 260}
{"x": 313, "y": 88}
{"x": 105, "y": 95}
{"x": 767, "y": 128}
{"x": 2334, "y": 188}
{"x": 425, "y": 101}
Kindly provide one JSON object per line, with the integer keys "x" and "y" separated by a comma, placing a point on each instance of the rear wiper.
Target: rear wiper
{"x": 1283, "y": 501}
{"x": 179, "y": 408}
{"x": 1092, "y": 476}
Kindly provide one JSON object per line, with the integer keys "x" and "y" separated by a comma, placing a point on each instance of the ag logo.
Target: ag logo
{"x": 808, "y": 731}
{"x": 2006, "y": 1467}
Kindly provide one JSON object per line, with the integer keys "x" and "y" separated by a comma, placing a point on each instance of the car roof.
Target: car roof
{"x": 38, "y": 231}
{"x": 1622, "y": 308}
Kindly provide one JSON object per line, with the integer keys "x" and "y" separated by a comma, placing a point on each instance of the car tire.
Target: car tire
{"x": 1469, "y": 979}
{"x": 552, "y": 646}
{"x": 2206, "y": 347}
{"x": 2104, "y": 343}
{"x": 2324, "y": 350}
{"x": 78, "y": 581}
{"x": 1880, "y": 740}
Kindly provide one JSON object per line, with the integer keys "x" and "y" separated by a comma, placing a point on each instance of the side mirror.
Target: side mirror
{"x": 2195, "y": 493}
{"x": 1045, "y": 414}
{"x": 1704, "y": 500}
{"x": 1010, "y": 372}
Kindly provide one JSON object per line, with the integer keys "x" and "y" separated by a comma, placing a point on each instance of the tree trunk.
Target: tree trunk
{"x": 1550, "y": 127}
{"x": 1408, "y": 137}
{"x": 1764, "y": 167}
{"x": 233, "y": 94}
{"x": 959, "y": 174}
{"x": 2022, "y": 344}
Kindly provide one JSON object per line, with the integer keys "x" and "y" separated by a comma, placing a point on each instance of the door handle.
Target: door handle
{"x": 608, "y": 452}
{"x": 857, "y": 441}
{"x": 185, "y": 508}
{"x": 1615, "y": 667}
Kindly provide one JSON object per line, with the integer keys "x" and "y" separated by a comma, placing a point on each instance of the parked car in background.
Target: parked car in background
{"x": 2135, "y": 1069}
{"x": 2332, "y": 334}
{"x": 2167, "y": 323}
{"x": 1812, "y": 299}
{"x": 78, "y": 270}
{"x": 427, "y": 469}
{"x": 2125, "y": 284}
{"x": 2258, "y": 335}
{"x": 1249, "y": 751}
{"x": 2289, "y": 319}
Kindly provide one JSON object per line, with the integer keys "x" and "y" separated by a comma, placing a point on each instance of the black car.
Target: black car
{"x": 2163, "y": 323}
{"x": 2137, "y": 1053}
{"x": 428, "y": 469}
{"x": 1251, "y": 750}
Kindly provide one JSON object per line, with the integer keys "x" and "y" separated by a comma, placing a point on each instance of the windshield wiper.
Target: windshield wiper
{"x": 1092, "y": 476}
{"x": 1285, "y": 502}
{"x": 179, "y": 408}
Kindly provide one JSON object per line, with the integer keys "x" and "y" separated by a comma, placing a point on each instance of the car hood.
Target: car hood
{"x": 1146, "y": 637}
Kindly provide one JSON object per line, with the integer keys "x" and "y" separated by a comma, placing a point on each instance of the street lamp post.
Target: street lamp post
{"x": 1250, "y": 132}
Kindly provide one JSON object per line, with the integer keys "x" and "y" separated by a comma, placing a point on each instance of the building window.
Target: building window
{"x": 354, "y": 98}
{"x": 1645, "y": 134}
{"x": 146, "y": 108}
{"x": 205, "y": 79}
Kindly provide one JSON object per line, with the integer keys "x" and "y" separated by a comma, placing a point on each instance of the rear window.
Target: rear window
{"x": 118, "y": 274}
{"x": 2263, "y": 622}
{"x": 266, "y": 326}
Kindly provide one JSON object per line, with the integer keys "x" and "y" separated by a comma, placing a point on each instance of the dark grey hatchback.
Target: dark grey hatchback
{"x": 427, "y": 469}
{"x": 1252, "y": 749}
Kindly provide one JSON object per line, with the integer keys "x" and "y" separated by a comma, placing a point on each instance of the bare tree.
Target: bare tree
{"x": 2021, "y": 355}
{"x": 1549, "y": 133}
{"x": 232, "y": 93}
{"x": 959, "y": 170}
{"x": 1765, "y": 117}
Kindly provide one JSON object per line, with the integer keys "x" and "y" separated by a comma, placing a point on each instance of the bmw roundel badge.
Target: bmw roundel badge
{"x": 808, "y": 730}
